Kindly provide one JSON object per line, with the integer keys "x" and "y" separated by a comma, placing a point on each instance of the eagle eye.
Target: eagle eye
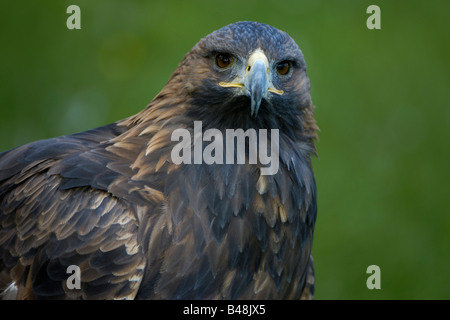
{"x": 224, "y": 60}
{"x": 283, "y": 67}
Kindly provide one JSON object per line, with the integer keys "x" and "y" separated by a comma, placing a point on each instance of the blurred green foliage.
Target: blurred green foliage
{"x": 382, "y": 102}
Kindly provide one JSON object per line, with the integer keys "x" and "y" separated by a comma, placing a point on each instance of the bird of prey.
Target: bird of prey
{"x": 113, "y": 203}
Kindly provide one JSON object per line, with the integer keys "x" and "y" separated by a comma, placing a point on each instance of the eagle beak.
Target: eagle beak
{"x": 256, "y": 81}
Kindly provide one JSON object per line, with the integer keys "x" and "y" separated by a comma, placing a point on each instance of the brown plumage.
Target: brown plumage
{"x": 113, "y": 202}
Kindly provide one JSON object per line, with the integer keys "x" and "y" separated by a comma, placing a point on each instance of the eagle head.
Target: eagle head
{"x": 247, "y": 75}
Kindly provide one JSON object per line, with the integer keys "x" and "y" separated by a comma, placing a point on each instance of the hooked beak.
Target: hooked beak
{"x": 255, "y": 82}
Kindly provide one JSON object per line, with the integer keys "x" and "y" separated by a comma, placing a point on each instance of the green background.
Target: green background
{"x": 382, "y": 103}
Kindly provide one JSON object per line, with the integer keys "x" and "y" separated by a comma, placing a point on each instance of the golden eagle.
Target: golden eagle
{"x": 137, "y": 224}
